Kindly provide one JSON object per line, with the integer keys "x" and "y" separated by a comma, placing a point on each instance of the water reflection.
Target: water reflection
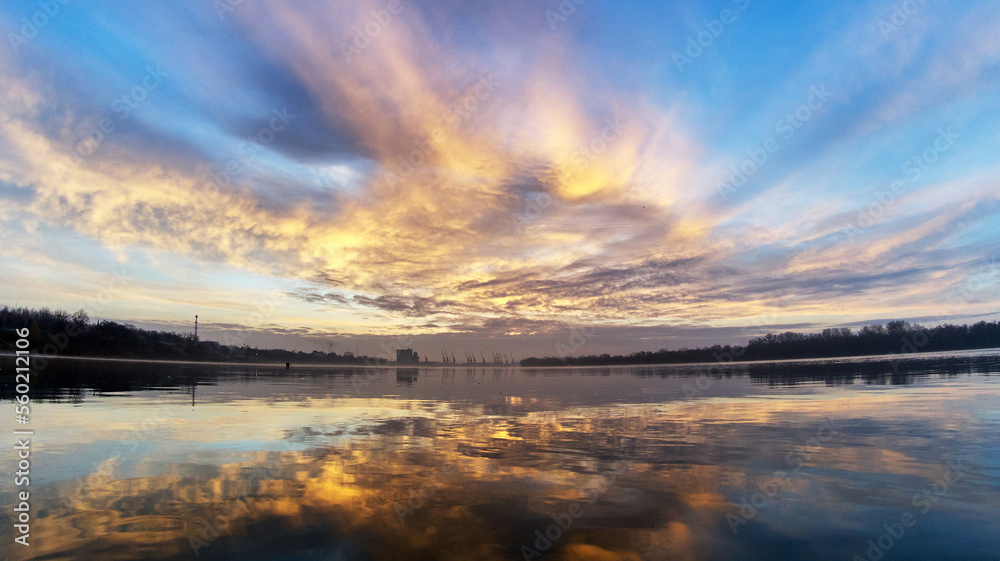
{"x": 73, "y": 380}
{"x": 406, "y": 376}
{"x": 493, "y": 463}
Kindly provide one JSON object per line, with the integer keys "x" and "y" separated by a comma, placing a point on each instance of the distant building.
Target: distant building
{"x": 406, "y": 356}
{"x": 349, "y": 354}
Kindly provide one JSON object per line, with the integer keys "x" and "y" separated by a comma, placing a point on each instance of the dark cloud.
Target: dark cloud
{"x": 315, "y": 297}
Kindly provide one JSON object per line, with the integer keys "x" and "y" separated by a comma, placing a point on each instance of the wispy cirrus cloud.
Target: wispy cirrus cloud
{"x": 403, "y": 182}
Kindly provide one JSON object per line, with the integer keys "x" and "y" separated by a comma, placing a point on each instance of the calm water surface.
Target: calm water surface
{"x": 809, "y": 460}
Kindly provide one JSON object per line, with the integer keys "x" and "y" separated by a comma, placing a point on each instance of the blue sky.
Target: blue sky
{"x": 667, "y": 173}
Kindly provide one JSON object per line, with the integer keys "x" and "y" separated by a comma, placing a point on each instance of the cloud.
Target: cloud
{"x": 507, "y": 178}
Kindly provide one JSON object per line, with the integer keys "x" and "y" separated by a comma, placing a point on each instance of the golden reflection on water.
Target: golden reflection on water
{"x": 401, "y": 479}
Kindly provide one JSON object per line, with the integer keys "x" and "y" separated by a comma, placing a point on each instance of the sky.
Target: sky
{"x": 501, "y": 176}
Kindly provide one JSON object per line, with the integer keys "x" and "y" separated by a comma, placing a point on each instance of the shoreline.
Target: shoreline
{"x": 850, "y": 358}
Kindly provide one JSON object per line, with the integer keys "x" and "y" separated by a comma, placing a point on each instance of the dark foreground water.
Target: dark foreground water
{"x": 822, "y": 460}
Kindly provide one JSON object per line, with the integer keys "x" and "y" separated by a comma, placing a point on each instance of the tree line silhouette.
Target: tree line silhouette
{"x": 61, "y": 333}
{"x": 875, "y": 339}
{"x": 57, "y": 332}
